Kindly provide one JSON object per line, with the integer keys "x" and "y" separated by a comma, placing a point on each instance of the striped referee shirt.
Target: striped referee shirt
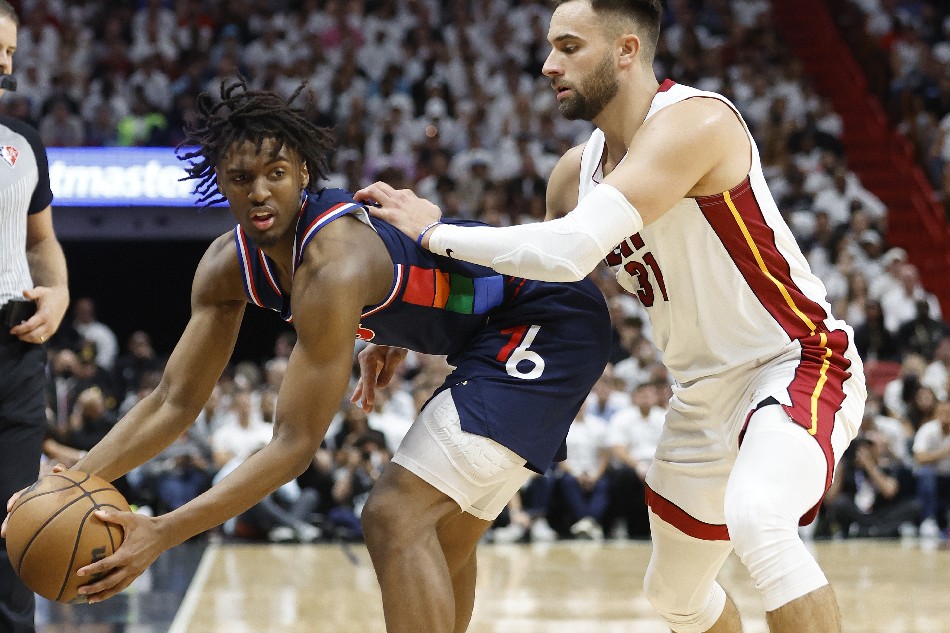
{"x": 24, "y": 189}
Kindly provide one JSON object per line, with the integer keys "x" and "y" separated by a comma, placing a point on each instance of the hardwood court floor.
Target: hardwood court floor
{"x": 567, "y": 587}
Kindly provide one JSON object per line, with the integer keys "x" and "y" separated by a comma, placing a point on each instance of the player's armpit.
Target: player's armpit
{"x": 561, "y": 194}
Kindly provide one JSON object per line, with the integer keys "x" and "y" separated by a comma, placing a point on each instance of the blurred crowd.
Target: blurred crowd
{"x": 447, "y": 98}
{"x": 908, "y": 53}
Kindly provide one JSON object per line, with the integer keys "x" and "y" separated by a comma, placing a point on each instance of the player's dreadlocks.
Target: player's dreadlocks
{"x": 243, "y": 115}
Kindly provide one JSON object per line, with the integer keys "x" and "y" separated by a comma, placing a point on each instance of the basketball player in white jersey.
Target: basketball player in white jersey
{"x": 769, "y": 388}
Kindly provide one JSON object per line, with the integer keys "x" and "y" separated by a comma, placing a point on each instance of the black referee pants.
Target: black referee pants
{"x": 22, "y": 429}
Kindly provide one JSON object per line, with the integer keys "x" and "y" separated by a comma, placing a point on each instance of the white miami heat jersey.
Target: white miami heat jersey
{"x": 721, "y": 276}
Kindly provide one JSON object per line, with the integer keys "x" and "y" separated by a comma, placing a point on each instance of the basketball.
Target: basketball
{"x": 52, "y": 532}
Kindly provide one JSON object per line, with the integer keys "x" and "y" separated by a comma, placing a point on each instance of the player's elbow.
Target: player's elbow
{"x": 533, "y": 263}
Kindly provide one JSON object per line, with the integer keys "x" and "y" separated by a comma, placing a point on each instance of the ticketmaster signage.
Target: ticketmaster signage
{"x": 118, "y": 176}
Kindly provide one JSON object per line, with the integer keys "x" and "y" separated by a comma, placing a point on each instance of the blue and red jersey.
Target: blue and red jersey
{"x": 526, "y": 352}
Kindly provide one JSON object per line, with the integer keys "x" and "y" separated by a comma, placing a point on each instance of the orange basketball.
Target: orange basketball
{"x": 52, "y": 531}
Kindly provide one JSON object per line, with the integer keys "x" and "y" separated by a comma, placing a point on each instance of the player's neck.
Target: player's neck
{"x": 622, "y": 117}
{"x": 282, "y": 254}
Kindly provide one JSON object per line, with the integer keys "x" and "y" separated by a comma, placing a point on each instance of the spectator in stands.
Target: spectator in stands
{"x": 143, "y": 125}
{"x": 633, "y": 436}
{"x": 921, "y": 334}
{"x": 359, "y": 462}
{"x": 921, "y": 407}
{"x": 139, "y": 358}
{"x": 242, "y": 433}
{"x": 900, "y": 303}
{"x": 605, "y": 399}
{"x": 582, "y": 478}
{"x": 176, "y": 475}
{"x": 872, "y": 339}
{"x": 89, "y": 420}
{"x": 937, "y": 374}
{"x": 527, "y": 513}
{"x": 896, "y": 433}
{"x": 89, "y": 327}
{"x": 61, "y": 127}
{"x": 872, "y": 491}
{"x": 932, "y": 454}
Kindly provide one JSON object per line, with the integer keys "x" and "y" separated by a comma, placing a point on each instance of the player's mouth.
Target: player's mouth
{"x": 562, "y": 92}
{"x": 262, "y": 220}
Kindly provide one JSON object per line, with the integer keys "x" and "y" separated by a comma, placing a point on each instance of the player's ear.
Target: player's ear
{"x": 304, "y": 175}
{"x": 629, "y": 46}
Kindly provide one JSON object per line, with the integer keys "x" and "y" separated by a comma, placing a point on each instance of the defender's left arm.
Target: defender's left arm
{"x": 695, "y": 147}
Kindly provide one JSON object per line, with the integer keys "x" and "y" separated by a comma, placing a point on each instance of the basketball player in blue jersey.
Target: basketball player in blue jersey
{"x": 769, "y": 388}
{"x": 525, "y": 355}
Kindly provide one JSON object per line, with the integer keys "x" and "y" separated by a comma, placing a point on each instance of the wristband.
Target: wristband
{"x": 426, "y": 230}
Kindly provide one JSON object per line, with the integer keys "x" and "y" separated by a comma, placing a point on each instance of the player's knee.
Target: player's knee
{"x": 683, "y": 608}
{"x": 380, "y": 518}
{"x": 766, "y": 539}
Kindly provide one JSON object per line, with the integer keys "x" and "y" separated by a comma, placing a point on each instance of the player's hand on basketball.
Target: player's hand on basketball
{"x": 378, "y": 364}
{"x": 142, "y": 545}
{"x": 402, "y": 208}
{"x": 15, "y": 496}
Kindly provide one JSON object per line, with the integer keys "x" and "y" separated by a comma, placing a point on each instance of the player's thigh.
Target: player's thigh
{"x": 780, "y": 467}
{"x": 477, "y": 473}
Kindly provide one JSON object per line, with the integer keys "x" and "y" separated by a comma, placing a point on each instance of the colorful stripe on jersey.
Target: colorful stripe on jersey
{"x": 318, "y": 223}
{"x": 434, "y": 288}
{"x": 818, "y": 388}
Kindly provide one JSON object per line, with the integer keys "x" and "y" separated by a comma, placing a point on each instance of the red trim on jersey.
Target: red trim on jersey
{"x": 817, "y": 390}
{"x": 246, "y": 267}
{"x": 397, "y": 284}
{"x": 666, "y": 85}
{"x": 269, "y": 274}
{"x": 798, "y": 315}
{"x": 678, "y": 518}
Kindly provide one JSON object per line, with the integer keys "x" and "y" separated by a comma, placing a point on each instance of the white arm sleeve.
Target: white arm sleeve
{"x": 566, "y": 249}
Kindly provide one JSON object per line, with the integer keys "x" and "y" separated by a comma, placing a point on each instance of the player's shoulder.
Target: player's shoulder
{"x": 329, "y": 198}
{"x": 218, "y": 276}
{"x": 684, "y": 107}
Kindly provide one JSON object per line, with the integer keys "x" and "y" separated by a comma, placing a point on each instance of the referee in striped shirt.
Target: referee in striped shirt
{"x": 33, "y": 299}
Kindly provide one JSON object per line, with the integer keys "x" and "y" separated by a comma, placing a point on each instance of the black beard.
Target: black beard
{"x": 600, "y": 89}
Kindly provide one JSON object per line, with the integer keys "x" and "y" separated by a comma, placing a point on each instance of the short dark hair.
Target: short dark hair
{"x": 7, "y": 10}
{"x": 242, "y": 115}
{"x": 646, "y": 13}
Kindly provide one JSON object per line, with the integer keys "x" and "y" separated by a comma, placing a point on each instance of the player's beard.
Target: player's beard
{"x": 593, "y": 95}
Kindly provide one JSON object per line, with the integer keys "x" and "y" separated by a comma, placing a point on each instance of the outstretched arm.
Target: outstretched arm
{"x": 695, "y": 147}
{"x": 196, "y": 363}
{"x": 327, "y": 300}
